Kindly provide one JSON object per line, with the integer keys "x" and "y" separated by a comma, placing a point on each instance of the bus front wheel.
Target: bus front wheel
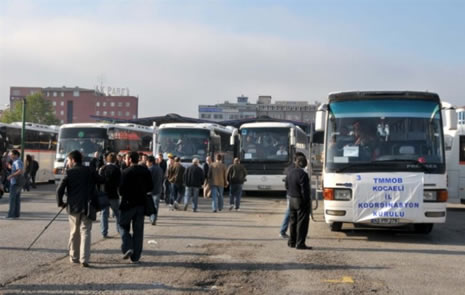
{"x": 423, "y": 228}
{"x": 335, "y": 226}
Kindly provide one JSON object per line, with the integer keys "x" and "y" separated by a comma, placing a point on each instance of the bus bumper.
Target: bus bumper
{"x": 264, "y": 183}
{"x": 343, "y": 211}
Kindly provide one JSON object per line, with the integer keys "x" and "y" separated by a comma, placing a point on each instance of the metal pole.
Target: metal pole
{"x": 23, "y": 130}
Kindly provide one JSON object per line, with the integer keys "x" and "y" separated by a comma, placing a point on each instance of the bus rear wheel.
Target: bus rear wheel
{"x": 335, "y": 226}
{"x": 423, "y": 228}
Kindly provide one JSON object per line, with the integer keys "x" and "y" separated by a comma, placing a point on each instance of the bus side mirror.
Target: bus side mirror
{"x": 320, "y": 118}
{"x": 292, "y": 137}
{"x": 232, "y": 140}
{"x": 449, "y": 117}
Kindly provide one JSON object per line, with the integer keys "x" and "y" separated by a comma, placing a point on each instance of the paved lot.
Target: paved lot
{"x": 230, "y": 253}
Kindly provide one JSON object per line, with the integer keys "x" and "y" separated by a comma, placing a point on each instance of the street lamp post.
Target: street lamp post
{"x": 23, "y": 130}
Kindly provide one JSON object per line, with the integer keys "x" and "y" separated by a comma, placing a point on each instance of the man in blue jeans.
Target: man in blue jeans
{"x": 136, "y": 182}
{"x": 157, "y": 178}
{"x": 193, "y": 179}
{"x": 236, "y": 175}
{"x": 15, "y": 188}
{"x": 218, "y": 181}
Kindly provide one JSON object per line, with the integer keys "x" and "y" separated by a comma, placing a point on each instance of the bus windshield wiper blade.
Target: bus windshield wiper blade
{"x": 412, "y": 161}
{"x": 353, "y": 165}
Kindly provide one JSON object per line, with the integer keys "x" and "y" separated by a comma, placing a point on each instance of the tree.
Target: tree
{"x": 38, "y": 110}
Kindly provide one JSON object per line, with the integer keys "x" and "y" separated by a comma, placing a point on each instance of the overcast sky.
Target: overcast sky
{"x": 176, "y": 55}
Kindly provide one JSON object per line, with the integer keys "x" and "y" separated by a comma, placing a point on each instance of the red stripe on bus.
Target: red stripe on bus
{"x": 462, "y": 162}
{"x": 40, "y": 151}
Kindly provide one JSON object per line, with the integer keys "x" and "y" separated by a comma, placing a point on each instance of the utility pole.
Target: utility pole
{"x": 23, "y": 130}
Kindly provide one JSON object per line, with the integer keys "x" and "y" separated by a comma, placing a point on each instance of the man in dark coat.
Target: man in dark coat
{"x": 236, "y": 175}
{"x": 298, "y": 189}
{"x": 112, "y": 175}
{"x": 79, "y": 183}
{"x": 193, "y": 179}
{"x": 176, "y": 178}
{"x": 35, "y": 168}
{"x": 136, "y": 183}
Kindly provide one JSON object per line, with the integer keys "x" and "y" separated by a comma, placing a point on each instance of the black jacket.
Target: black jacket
{"x": 163, "y": 166}
{"x": 136, "y": 182}
{"x": 236, "y": 174}
{"x": 193, "y": 177}
{"x": 79, "y": 183}
{"x": 157, "y": 178}
{"x": 112, "y": 175}
{"x": 298, "y": 184}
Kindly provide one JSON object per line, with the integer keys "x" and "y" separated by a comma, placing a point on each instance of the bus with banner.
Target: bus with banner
{"x": 89, "y": 138}
{"x": 40, "y": 142}
{"x": 267, "y": 149}
{"x": 384, "y": 159}
{"x": 194, "y": 140}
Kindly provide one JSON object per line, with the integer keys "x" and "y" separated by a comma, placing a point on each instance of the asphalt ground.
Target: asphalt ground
{"x": 229, "y": 253}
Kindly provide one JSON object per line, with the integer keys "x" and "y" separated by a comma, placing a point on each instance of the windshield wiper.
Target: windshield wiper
{"x": 412, "y": 161}
{"x": 354, "y": 165}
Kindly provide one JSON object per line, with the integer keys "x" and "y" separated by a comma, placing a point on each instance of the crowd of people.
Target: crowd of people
{"x": 128, "y": 180}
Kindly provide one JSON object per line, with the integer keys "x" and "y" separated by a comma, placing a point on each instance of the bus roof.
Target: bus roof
{"x": 207, "y": 126}
{"x": 268, "y": 125}
{"x": 128, "y": 126}
{"x": 33, "y": 126}
{"x": 365, "y": 95}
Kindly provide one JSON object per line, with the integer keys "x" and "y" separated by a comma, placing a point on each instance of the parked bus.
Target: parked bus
{"x": 40, "y": 142}
{"x": 89, "y": 138}
{"x": 194, "y": 140}
{"x": 454, "y": 138}
{"x": 384, "y": 161}
{"x": 266, "y": 150}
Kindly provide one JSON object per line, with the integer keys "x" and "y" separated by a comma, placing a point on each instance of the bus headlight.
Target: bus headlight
{"x": 435, "y": 196}
{"x": 342, "y": 194}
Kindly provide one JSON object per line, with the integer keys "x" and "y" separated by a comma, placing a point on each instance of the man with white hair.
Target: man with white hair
{"x": 193, "y": 179}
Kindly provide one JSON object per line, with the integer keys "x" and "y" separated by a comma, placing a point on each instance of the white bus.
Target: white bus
{"x": 267, "y": 149}
{"x": 194, "y": 140}
{"x": 40, "y": 142}
{"x": 89, "y": 138}
{"x": 454, "y": 138}
{"x": 384, "y": 161}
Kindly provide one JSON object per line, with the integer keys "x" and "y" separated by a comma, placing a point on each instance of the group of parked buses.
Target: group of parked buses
{"x": 414, "y": 139}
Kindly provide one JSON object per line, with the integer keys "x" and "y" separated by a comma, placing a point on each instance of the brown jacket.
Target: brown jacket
{"x": 176, "y": 173}
{"x": 217, "y": 175}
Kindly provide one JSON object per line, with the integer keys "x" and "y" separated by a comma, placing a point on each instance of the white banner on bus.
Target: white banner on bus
{"x": 388, "y": 196}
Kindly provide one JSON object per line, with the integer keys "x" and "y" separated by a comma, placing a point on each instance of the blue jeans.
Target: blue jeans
{"x": 15, "y": 201}
{"x": 114, "y": 205}
{"x": 156, "y": 202}
{"x": 235, "y": 194}
{"x": 177, "y": 192}
{"x": 192, "y": 192}
{"x": 134, "y": 216}
{"x": 217, "y": 197}
{"x": 285, "y": 224}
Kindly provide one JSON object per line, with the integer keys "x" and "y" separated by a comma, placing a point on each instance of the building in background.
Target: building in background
{"x": 300, "y": 111}
{"x": 228, "y": 111}
{"x": 77, "y": 105}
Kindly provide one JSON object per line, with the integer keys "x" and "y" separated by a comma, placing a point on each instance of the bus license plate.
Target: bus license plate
{"x": 264, "y": 187}
{"x": 385, "y": 221}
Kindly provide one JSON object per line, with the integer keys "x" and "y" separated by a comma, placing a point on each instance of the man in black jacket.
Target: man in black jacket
{"x": 157, "y": 178}
{"x": 136, "y": 182}
{"x": 79, "y": 183}
{"x": 112, "y": 175}
{"x": 193, "y": 179}
{"x": 298, "y": 189}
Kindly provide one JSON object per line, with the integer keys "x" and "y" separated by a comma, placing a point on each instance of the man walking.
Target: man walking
{"x": 176, "y": 177}
{"x": 79, "y": 183}
{"x": 136, "y": 182}
{"x": 217, "y": 180}
{"x": 236, "y": 175}
{"x": 298, "y": 189}
{"x": 193, "y": 179}
{"x": 17, "y": 169}
{"x": 112, "y": 176}
{"x": 35, "y": 168}
{"x": 157, "y": 179}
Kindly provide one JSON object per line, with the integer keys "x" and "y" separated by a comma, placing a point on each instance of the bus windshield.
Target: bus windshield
{"x": 392, "y": 135}
{"x": 184, "y": 143}
{"x": 265, "y": 144}
{"x": 86, "y": 140}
